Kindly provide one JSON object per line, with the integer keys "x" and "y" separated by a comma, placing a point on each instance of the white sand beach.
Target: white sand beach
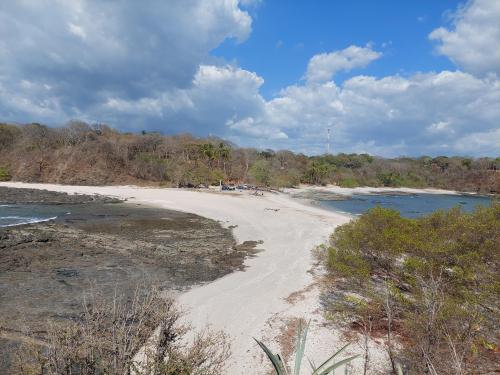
{"x": 251, "y": 303}
{"x": 371, "y": 190}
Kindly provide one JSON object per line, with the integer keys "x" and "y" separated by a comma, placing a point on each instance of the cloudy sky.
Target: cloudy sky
{"x": 387, "y": 77}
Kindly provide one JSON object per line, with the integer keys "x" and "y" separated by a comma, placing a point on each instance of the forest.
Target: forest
{"x": 96, "y": 154}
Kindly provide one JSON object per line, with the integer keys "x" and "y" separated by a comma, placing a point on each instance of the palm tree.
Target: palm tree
{"x": 209, "y": 152}
{"x": 224, "y": 151}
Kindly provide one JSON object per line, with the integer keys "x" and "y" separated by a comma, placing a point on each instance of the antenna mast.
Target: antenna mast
{"x": 328, "y": 142}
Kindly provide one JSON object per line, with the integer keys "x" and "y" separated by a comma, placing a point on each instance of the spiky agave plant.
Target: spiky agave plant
{"x": 327, "y": 367}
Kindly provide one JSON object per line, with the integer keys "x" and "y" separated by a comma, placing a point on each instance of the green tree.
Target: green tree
{"x": 261, "y": 172}
{"x": 317, "y": 172}
{"x": 209, "y": 152}
{"x": 223, "y": 153}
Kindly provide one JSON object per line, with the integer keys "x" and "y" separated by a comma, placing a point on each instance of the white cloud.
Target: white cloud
{"x": 92, "y": 51}
{"x": 77, "y": 30}
{"x": 218, "y": 98}
{"x": 487, "y": 142}
{"x": 250, "y": 127}
{"x": 430, "y": 113}
{"x": 322, "y": 67}
{"x": 150, "y": 68}
{"x": 440, "y": 127}
{"x": 473, "y": 41}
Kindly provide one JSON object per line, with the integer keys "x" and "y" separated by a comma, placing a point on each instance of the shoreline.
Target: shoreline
{"x": 374, "y": 190}
{"x": 255, "y": 302}
{"x": 312, "y": 196}
{"x": 46, "y": 269}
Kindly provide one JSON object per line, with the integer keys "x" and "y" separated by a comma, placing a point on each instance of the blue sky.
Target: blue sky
{"x": 387, "y": 77}
{"x": 287, "y": 33}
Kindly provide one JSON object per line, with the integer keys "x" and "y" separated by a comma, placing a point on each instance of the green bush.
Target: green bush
{"x": 348, "y": 183}
{"x": 437, "y": 276}
{"x": 4, "y": 175}
{"x": 348, "y": 264}
{"x": 390, "y": 179}
{"x": 286, "y": 179}
{"x": 201, "y": 174}
{"x": 261, "y": 172}
{"x": 318, "y": 172}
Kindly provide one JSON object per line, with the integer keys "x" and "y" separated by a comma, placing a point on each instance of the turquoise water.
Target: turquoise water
{"x": 18, "y": 214}
{"x": 412, "y": 205}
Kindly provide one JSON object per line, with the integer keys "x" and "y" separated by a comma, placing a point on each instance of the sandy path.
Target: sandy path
{"x": 244, "y": 304}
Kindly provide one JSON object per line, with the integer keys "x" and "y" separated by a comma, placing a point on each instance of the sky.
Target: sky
{"x": 389, "y": 78}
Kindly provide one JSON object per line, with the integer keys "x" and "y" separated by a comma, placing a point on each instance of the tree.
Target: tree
{"x": 317, "y": 172}
{"x": 223, "y": 152}
{"x": 79, "y": 153}
{"x": 209, "y": 152}
{"x": 261, "y": 172}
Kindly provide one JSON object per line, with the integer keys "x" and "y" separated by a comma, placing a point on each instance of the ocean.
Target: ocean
{"x": 409, "y": 205}
{"x": 18, "y": 214}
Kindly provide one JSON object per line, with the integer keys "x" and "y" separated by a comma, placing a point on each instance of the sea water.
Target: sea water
{"x": 409, "y": 205}
{"x": 18, "y": 214}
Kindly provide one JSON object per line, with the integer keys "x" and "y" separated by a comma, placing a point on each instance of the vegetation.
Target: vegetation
{"x": 429, "y": 285}
{"x": 139, "y": 336}
{"x": 4, "y": 175}
{"x": 80, "y": 153}
{"x": 327, "y": 367}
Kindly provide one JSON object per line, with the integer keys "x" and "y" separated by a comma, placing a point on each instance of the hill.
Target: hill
{"x": 80, "y": 153}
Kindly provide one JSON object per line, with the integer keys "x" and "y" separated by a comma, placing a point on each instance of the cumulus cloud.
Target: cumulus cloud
{"x": 473, "y": 41}
{"x": 216, "y": 96}
{"x": 89, "y": 51}
{"x": 322, "y": 67}
{"x": 150, "y": 68}
{"x": 434, "y": 113}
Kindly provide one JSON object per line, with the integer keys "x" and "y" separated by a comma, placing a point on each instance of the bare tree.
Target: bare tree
{"x": 140, "y": 336}
{"x": 389, "y": 312}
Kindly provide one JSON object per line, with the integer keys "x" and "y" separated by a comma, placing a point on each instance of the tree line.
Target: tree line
{"x": 96, "y": 154}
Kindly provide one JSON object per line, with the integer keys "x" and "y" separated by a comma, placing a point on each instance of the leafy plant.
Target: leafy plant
{"x": 4, "y": 175}
{"x": 348, "y": 183}
{"x": 432, "y": 281}
{"x": 327, "y": 367}
{"x": 261, "y": 172}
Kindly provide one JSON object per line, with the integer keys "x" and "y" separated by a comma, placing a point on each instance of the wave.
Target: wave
{"x": 24, "y": 220}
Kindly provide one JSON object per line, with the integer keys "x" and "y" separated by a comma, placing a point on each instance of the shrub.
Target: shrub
{"x": 348, "y": 183}
{"x": 138, "y": 336}
{"x": 390, "y": 179}
{"x": 433, "y": 280}
{"x": 261, "y": 172}
{"x": 4, "y": 175}
{"x": 318, "y": 172}
{"x": 348, "y": 264}
{"x": 286, "y": 179}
